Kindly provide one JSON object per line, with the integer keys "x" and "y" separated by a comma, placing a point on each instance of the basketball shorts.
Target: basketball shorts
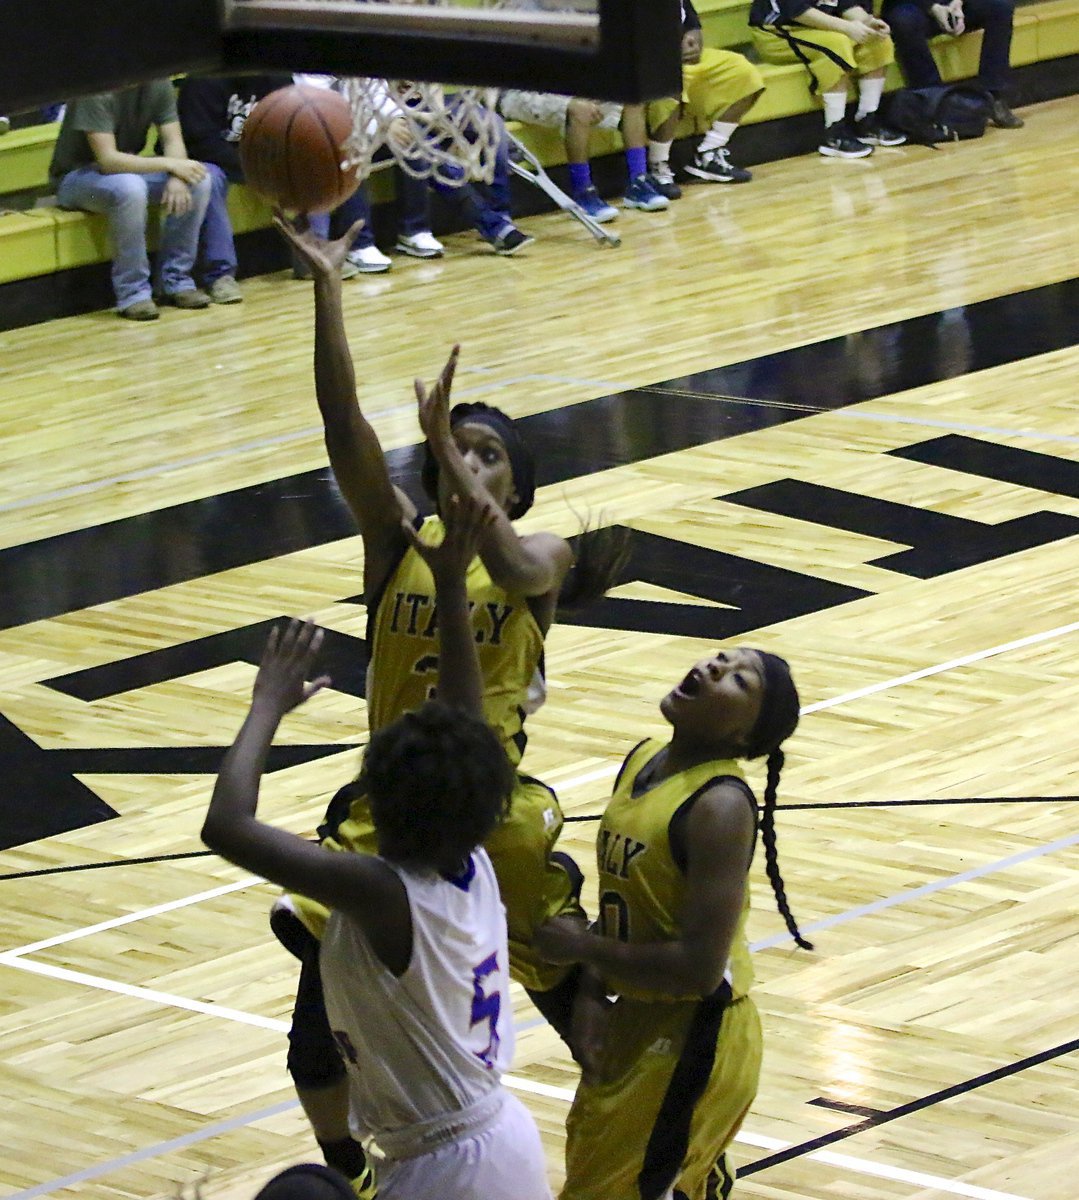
{"x": 503, "y": 1161}
{"x": 674, "y": 1086}
{"x": 544, "y": 108}
{"x": 709, "y": 88}
{"x": 825, "y": 50}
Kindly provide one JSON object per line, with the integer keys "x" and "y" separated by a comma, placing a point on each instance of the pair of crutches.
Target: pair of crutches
{"x": 525, "y": 165}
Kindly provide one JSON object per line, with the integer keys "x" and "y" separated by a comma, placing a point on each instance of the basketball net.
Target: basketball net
{"x": 448, "y": 137}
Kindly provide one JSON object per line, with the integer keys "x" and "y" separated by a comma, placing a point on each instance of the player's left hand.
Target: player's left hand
{"x": 281, "y": 683}
{"x": 320, "y": 255}
{"x": 434, "y": 405}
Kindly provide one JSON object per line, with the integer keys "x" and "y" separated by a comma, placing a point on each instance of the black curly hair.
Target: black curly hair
{"x": 438, "y": 781}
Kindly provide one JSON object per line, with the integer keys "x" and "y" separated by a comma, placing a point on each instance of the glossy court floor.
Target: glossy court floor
{"x": 836, "y": 406}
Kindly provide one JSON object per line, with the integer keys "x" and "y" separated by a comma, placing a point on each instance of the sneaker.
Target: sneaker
{"x": 594, "y": 205}
{"x": 510, "y": 240}
{"x": 369, "y": 260}
{"x": 640, "y": 193}
{"x": 716, "y": 167}
{"x": 141, "y": 310}
{"x": 662, "y": 179}
{"x": 225, "y": 291}
{"x": 839, "y": 142}
{"x": 188, "y": 298}
{"x": 1003, "y": 117}
{"x": 871, "y": 130}
{"x": 5, "y": 124}
{"x": 420, "y": 245}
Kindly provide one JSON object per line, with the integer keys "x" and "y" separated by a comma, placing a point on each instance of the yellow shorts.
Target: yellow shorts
{"x": 773, "y": 47}
{"x": 534, "y": 888}
{"x": 639, "y": 1131}
{"x": 709, "y": 88}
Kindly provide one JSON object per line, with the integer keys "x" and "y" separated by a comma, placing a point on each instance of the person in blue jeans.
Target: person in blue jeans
{"x": 914, "y": 22}
{"x": 97, "y": 166}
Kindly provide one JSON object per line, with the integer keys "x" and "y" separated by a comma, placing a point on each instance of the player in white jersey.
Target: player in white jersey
{"x": 415, "y": 960}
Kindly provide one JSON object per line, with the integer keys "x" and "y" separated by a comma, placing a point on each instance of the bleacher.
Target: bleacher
{"x": 38, "y": 239}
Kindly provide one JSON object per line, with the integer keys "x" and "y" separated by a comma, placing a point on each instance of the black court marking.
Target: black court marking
{"x": 188, "y": 541}
{"x": 101, "y": 866}
{"x": 972, "y": 456}
{"x": 854, "y": 1110}
{"x": 906, "y": 1110}
{"x": 178, "y": 760}
{"x": 833, "y": 804}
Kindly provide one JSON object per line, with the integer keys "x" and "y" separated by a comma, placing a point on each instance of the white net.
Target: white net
{"x": 451, "y": 137}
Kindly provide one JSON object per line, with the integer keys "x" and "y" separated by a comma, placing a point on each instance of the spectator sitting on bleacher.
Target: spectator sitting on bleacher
{"x": 836, "y": 41}
{"x": 718, "y": 88}
{"x": 913, "y": 22}
{"x": 97, "y": 166}
{"x": 575, "y": 118}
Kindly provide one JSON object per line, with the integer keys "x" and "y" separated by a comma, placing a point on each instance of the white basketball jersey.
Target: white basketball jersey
{"x": 423, "y": 1046}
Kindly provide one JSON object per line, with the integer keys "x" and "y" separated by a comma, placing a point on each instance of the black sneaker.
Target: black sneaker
{"x": 1003, "y": 117}
{"x": 716, "y": 167}
{"x": 662, "y": 179}
{"x": 510, "y": 241}
{"x": 839, "y": 142}
{"x": 871, "y": 130}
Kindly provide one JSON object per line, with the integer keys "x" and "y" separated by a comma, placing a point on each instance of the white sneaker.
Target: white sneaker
{"x": 370, "y": 260}
{"x": 420, "y": 245}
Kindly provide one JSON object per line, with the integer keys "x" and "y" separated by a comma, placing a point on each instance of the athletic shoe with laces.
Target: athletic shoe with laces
{"x": 839, "y": 142}
{"x": 640, "y": 193}
{"x": 1003, "y": 117}
{"x": 661, "y": 177}
{"x": 871, "y": 130}
{"x": 716, "y": 166}
{"x": 595, "y": 206}
{"x": 225, "y": 290}
{"x": 370, "y": 260}
{"x": 510, "y": 241}
{"x": 420, "y": 245}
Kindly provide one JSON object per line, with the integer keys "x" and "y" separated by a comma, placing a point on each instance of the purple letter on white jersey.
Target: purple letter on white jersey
{"x": 486, "y": 1008}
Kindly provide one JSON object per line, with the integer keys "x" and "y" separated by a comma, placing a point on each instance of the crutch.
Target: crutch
{"x": 525, "y": 165}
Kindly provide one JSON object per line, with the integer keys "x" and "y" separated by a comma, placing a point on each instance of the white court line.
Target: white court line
{"x": 859, "y": 1166}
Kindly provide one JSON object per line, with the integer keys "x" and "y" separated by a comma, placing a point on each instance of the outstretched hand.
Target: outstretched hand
{"x": 320, "y": 255}
{"x": 281, "y": 682}
{"x": 467, "y": 520}
{"x": 434, "y": 405}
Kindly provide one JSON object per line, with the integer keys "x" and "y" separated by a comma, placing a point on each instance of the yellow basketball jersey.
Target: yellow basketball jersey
{"x": 403, "y": 642}
{"x": 641, "y": 886}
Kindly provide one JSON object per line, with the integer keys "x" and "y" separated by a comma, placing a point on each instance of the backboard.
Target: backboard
{"x": 624, "y": 50}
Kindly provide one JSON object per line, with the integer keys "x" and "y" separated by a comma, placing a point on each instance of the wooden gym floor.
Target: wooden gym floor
{"x": 836, "y": 405}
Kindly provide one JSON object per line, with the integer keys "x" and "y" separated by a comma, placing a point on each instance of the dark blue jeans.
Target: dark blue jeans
{"x": 912, "y": 27}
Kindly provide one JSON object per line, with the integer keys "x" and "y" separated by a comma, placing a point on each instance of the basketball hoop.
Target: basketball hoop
{"x": 448, "y": 137}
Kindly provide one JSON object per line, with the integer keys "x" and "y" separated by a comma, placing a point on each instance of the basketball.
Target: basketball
{"x": 291, "y": 152}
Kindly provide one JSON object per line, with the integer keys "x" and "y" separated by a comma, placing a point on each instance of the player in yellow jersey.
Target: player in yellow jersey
{"x": 514, "y": 587}
{"x": 672, "y": 1066}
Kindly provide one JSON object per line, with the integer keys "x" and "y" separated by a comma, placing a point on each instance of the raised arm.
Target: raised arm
{"x": 460, "y": 681}
{"x": 719, "y": 840}
{"x": 534, "y": 565}
{"x": 356, "y": 456}
{"x": 360, "y": 884}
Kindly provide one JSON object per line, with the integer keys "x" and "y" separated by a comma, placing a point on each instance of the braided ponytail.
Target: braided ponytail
{"x": 771, "y": 856}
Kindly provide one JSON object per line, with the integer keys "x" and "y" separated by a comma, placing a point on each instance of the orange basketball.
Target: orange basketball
{"x": 291, "y": 152}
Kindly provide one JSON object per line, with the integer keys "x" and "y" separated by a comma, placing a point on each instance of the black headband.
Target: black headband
{"x": 522, "y": 464}
{"x": 779, "y": 712}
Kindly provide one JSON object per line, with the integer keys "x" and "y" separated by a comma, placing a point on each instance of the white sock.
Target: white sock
{"x": 659, "y": 154}
{"x": 835, "y": 107}
{"x": 718, "y": 136}
{"x": 869, "y": 94}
